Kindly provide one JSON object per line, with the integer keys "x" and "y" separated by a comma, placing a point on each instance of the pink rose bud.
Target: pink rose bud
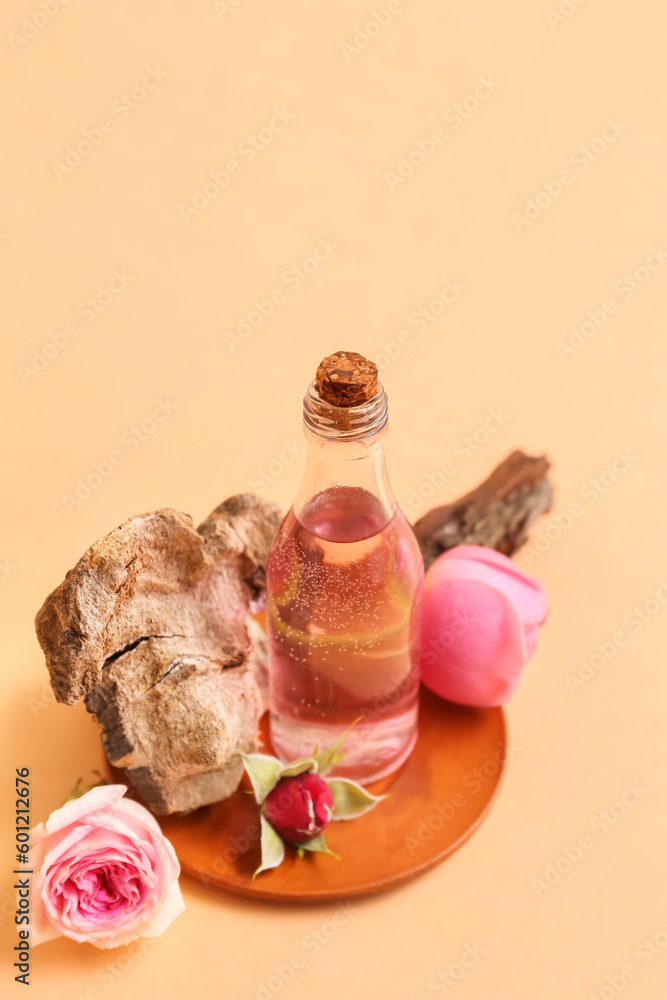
{"x": 480, "y": 620}
{"x": 299, "y": 807}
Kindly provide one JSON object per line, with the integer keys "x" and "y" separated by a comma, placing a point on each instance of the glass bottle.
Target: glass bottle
{"x": 344, "y": 583}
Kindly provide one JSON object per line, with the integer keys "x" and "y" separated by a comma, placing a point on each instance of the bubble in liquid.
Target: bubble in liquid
{"x": 342, "y": 621}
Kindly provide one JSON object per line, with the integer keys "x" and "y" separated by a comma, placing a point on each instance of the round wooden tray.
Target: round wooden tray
{"x": 436, "y": 801}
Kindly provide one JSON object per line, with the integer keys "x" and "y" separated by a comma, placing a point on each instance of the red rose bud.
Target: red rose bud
{"x": 299, "y": 808}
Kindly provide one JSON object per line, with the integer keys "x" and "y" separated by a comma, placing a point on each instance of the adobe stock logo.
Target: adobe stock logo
{"x": 223, "y": 7}
{"x": 472, "y": 784}
{"x": 625, "y": 288}
{"x": 464, "y": 449}
{"x": 292, "y": 278}
{"x": 122, "y": 107}
{"x": 31, "y": 26}
{"x": 565, "y": 9}
{"x": 601, "y": 823}
{"x": 649, "y": 949}
{"x": 130, "y": 440}
{"x": 606, "y": 649}
{"x": 454, "y": 117}
{"x": 248, "y": 151}
{"x": 420, "y": 319}
{"x": 446, "y": 979}
{"x": 365, "y": 33}
{"x": 87, "y": 310}
{"x": 261, "y": 478}
{"x": 592, "y": 490}
{"x": 581, "y": 159}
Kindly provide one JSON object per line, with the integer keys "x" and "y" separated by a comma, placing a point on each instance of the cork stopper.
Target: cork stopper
{"x": 346, "y": 379}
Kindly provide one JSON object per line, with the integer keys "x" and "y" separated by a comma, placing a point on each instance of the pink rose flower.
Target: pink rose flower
{"x": 104, "y": 872}
{"x": 480, "y": 620}
{"x": 299, "y": 807}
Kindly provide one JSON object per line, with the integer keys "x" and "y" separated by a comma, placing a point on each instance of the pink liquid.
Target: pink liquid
{"x": 344, "y": 597}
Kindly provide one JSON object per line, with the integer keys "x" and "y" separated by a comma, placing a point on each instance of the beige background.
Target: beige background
{"x": 555, "y": 83}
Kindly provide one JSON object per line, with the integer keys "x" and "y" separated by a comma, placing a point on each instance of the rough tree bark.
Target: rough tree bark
{"x": 498, "y": 513}
{"x": 152, "y": 628}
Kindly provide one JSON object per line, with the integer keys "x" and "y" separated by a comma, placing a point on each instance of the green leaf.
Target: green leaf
{"x": 273, "y": 848}
{"x": 264, "y": 773}
{"x": 298, "y": 767}
{"x": 350, "y": 799}
{"x": 317, "y": 843}
{"x": 325, "y": 761}
{"x": 329, "y": 758}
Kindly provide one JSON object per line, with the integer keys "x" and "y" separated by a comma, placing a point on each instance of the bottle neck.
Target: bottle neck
{"x": 345, "y": 493}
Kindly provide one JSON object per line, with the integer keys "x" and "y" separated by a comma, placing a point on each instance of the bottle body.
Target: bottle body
{"x": 344, "y": 582}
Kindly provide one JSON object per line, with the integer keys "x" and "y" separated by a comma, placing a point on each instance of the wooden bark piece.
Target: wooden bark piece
{"x": 498, "y": 513}
{"x": 152, "y": 629}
